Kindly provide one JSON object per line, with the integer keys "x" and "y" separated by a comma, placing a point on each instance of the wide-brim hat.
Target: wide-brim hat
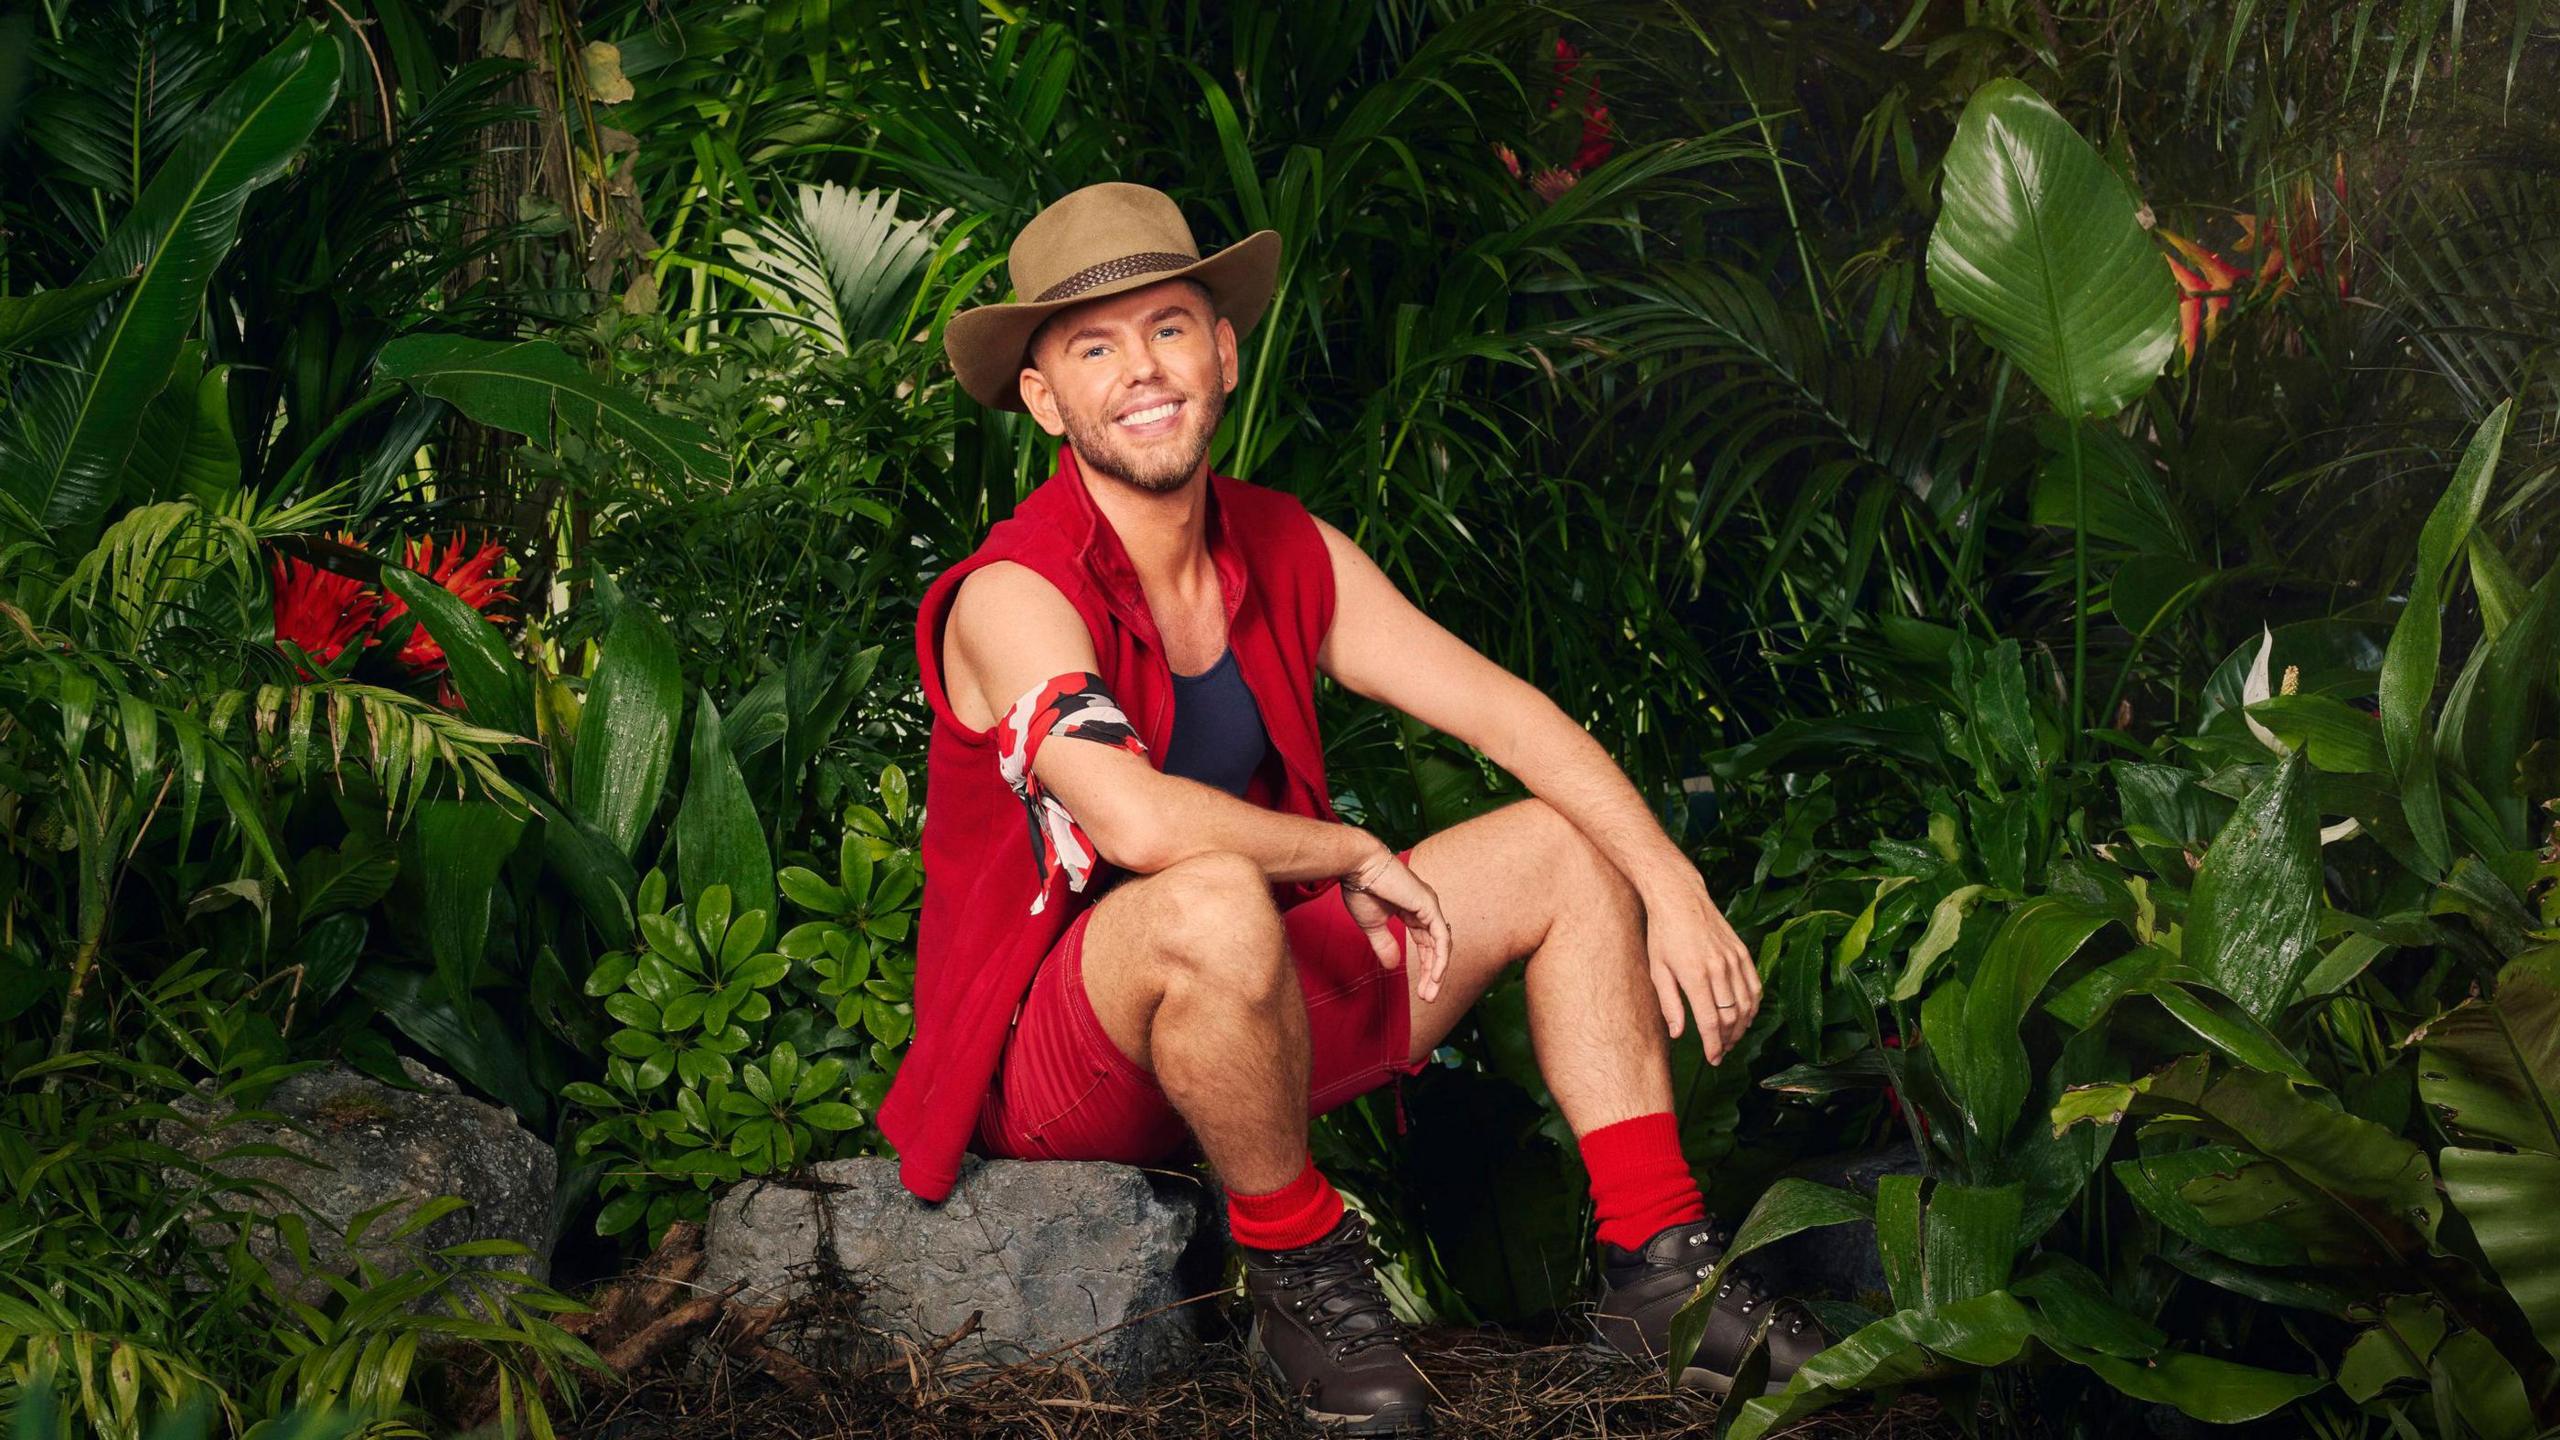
{"x": 1093, "y": 242}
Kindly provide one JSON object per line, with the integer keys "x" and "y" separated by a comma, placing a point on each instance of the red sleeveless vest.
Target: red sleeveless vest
{"x": 977, "y": 942}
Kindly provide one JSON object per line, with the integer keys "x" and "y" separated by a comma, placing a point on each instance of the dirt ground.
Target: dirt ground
{"x": 1493, "y": 1384}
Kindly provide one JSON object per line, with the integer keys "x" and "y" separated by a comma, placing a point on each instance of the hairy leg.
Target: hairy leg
{"x": 1521, "y": 883}
{"x": 1188, "y": 970}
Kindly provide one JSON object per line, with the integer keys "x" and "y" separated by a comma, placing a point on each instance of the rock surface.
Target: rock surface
{"x": 1057, "y": 1257}
{"x": 375, "y": 1145}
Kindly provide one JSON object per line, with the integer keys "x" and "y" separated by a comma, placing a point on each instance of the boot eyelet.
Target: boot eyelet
{"x": 1703, "y": 1269}
{"x": 1697, "y": 1239}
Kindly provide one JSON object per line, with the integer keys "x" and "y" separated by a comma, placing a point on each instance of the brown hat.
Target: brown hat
{"x": 1093, "y": 242}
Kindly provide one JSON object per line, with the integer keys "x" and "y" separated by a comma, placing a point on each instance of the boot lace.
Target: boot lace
{"x": 1338, "y": 1295}
{"x": 1739, "y": 1285}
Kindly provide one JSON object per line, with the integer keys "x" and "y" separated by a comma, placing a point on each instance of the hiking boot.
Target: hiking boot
{"x": 1640, "y": 1290}
{"x": 1322, "y": 1329}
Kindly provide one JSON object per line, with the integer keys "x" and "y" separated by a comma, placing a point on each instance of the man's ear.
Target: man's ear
{"x": 1230, "y": 368}
{"x": 1041, "y": 400}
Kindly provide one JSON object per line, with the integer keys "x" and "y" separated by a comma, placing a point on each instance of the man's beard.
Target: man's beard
{"x": 1158, "y": 467}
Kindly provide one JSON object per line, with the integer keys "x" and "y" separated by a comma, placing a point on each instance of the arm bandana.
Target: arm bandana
{"x": 1074, "y": 704}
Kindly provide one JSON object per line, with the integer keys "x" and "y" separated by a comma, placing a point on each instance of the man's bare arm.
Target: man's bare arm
{"x": 1383, "y": 647}
{"x": 1011, "y": 630}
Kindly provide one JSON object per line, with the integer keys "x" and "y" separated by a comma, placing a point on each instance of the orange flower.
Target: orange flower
{"x": 466, "y": 576}
{"x": 322, "y": 611}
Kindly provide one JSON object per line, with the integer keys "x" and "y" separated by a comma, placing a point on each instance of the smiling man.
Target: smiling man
{"x": 1166, "y": 938}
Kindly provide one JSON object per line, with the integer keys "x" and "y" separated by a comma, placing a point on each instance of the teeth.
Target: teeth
{"x": 1151, "y": 415}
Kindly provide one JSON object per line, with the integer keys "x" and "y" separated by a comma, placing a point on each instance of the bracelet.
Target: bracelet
{"x": 1349, "y": 883}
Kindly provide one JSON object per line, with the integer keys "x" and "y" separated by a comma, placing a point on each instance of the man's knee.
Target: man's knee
{"x": 1217, "y": 928}
{"x": 1587, "y": 881}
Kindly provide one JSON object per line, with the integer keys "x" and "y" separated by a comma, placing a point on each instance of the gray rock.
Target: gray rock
{"x": 361, "y": 1144}
{"x": 1062, "y": 1259}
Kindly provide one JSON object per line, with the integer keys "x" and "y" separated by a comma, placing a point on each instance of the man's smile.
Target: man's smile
{"x": 1155, "y": 419}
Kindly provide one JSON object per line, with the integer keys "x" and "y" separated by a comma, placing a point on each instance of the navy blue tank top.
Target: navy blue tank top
{"x": 1218, "y": 737}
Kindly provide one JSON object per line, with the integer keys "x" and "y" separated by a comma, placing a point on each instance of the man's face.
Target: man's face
{"x": 1096, "y": 366}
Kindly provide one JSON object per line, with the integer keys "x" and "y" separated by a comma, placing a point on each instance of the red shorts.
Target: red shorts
{"x": 1064, "y": 1091}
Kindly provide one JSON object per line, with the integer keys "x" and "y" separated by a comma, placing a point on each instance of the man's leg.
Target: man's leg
{"x": 1188, "y": 971}
{"x": 1522, "y": 883}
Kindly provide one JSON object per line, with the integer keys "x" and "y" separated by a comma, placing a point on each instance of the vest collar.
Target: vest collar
{"x": 1115, "y": 575}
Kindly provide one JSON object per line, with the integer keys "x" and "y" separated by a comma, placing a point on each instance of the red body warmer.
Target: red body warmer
{"x": 978, "y": 942}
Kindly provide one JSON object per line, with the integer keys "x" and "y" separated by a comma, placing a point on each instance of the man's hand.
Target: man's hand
{"x": 1695, "y": 953}
{"x": 1385, "y": 886}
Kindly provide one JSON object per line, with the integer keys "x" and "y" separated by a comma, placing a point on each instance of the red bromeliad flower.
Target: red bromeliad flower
{"x": 1552, "y": 181}
{"x": 1594, "y": 146}
{"x": 322, "y": 611}
{"x": 466, "y": 575}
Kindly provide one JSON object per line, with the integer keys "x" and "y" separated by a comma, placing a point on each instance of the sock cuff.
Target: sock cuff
{"x": 1298, "y": 1213}
{"x": 1634, "y": 1140}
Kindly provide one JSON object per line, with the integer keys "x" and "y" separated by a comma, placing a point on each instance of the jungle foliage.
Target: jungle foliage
{"x": 2047, "y": 494}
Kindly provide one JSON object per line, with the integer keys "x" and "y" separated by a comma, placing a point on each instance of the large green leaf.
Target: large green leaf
{"x": 2221, "y": 1392}
{"x": 2158, "y": 1184}
{"x": 718, "y": 838}
{"x": 26, "y": 319}
{"x": 627, "y": 732}
{"x": 494, "y": 685}
{"x": 473, "y": 1040}
{"x": 522, "y": 385}
{"x": 77, "y": 412}
{"x": 1787, "y": 1207}
{"x": 2409, "y": 665}
{"x": 2037, "y": 243}
{"x": 2512, "y": 1203}
{"x": 2256, "y": 909}
{"x": 2349, "y": 1189}
{"x": 461, "y": 845}
{"x": 2491, "y": 1068}
{"x": 1972, "y": 1023}
{"x": 1907, "y": 1345}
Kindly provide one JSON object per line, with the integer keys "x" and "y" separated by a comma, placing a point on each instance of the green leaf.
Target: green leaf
{"x": 2037, "y": 243}
{"x": 1787, "y": 1207}
{"x": 1946, "y": 922}
{"x": 26, "y": 319}
{"x": 2513, "y": 1205}
{"x": 1903, "y": 1347}
{"x": 521, "y": 385}
{"x": 1971, "y": 1024}
{"x": 2337, "y": 737}
{"x": 1968, "y": 1237}
{"x": 2236, "y": 1036}
{"x": 76, "y": 412}
{"x": 627, "y": 730}
{"x": 2351, "y": 1190}
{"x": 2220, "y": 1392}
{"x": 599, "y": 875}
{"x": 2409, "y": 665}
{"x": 461, "y": 846}
{"x": 478, "y": 1049}
{"x": 2072, "y": 1305}
{"x": 496, "y": 689}
{"x": 2491, "y": 1068}
{"x": 2256, "y": 908}
{"x": 718, "y": 838}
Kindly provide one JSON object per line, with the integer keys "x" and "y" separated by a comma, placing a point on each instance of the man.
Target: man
{"x": 1167, "y": 936}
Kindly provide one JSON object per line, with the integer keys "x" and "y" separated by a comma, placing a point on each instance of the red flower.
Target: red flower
{"x": 467, "y": 577}
{"x": 321, "y": 610}
{"x": 2200, "y": 296}
{"x": 1552, "y": 181}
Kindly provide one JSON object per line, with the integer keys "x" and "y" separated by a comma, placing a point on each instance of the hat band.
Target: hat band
{"x": 1142, "y": 263}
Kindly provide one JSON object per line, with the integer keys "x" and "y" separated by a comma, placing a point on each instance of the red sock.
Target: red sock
{"x": 1298, "y": 1213}
{"x": 1639, "y": 1181}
